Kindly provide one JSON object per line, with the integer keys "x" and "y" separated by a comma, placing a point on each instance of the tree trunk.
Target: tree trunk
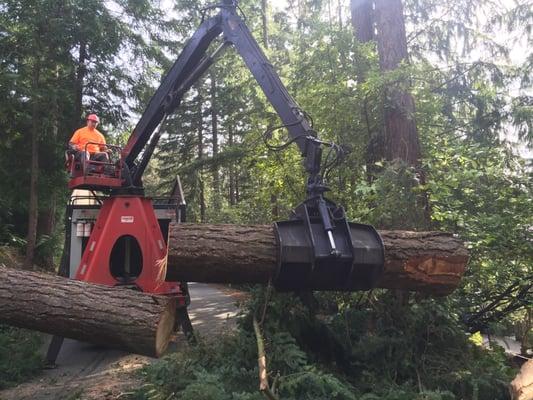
{"x": 264, "y": 18}
{"x": 362, "y": 13}
{"x": 200, "y": 129}
{"x": 214, "y": 136}
{"x": 339, "y": 14}
{"x": 432, "y": 262}
{"x": 237, "y": 188}
{"x": 401, "y": 136}
{"x": 46, "y": 223}
{"x": 46, "y": 219}
{"x": 274, "y": 206}
{"x": 78, "y": 84}
{"x": 232, "y": 200}
{"x": 362, "y": 20}
{"x": 31, "y": 237}
{"x": 112, "y": 317}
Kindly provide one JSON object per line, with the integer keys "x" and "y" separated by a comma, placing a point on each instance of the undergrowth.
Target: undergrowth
{"x": 20, "y": 358}
{"x": 19, "y": 355}
{"x": 353, "y": 351}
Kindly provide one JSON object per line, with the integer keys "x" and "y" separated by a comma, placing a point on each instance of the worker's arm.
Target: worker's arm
{"x": 103, "y": 143}
{"x": 73, "y": 143}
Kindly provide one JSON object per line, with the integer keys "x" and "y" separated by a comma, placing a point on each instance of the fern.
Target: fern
{"x": 313, "y": 384}
{"x": 385, "y": 352}
{"x": 284, "y": 354}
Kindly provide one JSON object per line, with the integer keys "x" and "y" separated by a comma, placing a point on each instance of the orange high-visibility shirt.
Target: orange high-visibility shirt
{"x": 85, "y": 135}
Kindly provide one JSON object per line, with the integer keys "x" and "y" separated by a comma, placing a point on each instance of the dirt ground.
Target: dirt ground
{"x": 85, "y": 371}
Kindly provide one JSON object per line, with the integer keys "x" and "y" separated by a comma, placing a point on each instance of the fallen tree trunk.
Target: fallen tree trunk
{"x": 432, "y": 262}
{"x": 108, "y": 316}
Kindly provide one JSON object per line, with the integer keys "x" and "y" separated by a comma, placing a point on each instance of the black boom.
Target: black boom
{"x": 317, "y": 242}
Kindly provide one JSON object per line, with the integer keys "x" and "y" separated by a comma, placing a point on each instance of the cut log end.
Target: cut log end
{"x": 165, "y": 327}
{"x": 521, "y": 388}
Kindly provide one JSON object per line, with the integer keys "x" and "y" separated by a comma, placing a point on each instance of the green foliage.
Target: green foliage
{"x": 19, "y": 355}
{"x": 206, "y": 386}
{"x": 483, "y": 194}
{"x": 58, "y": 62}
{"x": 228, "y": 370}
{"x": 402, "y": 394}
{"x": 366, "y": 350}
{"x": 231, "y": 361}
{"x": 421, "y": 340}
{"x": 313, "y": 384}
{"x": 395, "y": 187}
{"x": 474, "y": 119}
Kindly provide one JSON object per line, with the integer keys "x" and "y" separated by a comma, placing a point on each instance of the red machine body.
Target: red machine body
{"x": 94, "y": 181}
{"x": 121, "y": 240}
{"x": 126, "y": 247}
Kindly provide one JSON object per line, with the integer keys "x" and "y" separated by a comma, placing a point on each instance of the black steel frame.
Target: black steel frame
{"x": 189, "y": 67}
{"x": 332, "y": 231}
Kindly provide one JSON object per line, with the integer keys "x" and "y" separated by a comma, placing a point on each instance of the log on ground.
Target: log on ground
{"x": 113, "y": 317}
{"x": 432, "y": 262}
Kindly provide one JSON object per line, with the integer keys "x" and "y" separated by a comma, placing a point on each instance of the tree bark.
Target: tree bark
{"x": 78, "y": 84}
{"x": 46, "y": 218}
{"x": 432, "y": 262}
{"x": 232, "y": 199}
{"x": 362, "y": 20}
{"x": 113, "y": 317}
{"x": 200, "y": 130}
{"x": 46, "y": 222}
{"x": 339, "y": 14}
{"x": 264, "y": 20}
{"x": 362, "y": 14}
{"x": 31, "y": 238}
{"x": 214, "y": 137}
{"x": 401, "y": 136}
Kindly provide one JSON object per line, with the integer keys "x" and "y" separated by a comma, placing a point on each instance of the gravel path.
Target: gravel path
{"x": 90, "y": 372}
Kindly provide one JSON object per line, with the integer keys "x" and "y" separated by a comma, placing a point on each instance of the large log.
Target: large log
{"x": 117, "y": 318}
{"x": 432, "y": 262}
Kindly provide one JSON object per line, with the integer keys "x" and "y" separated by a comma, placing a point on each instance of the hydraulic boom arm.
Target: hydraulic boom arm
{"x": 318, "y": 246}
{"x": 190, "y": 66}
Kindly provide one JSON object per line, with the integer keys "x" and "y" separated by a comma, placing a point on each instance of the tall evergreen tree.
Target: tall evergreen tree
{"x": 60, "y": 59}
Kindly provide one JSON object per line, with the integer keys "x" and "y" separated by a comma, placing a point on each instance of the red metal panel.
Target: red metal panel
{"x": 94, "y": 182}
{"x": 133, "y": 216}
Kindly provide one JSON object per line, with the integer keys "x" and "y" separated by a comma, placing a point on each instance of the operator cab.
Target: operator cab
{"x": 92, "y": 174}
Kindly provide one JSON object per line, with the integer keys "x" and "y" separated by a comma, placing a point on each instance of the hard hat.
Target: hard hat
{"x": 93, "y": 117}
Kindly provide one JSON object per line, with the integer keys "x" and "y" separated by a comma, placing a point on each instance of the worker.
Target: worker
{"x": 88, "y": 142}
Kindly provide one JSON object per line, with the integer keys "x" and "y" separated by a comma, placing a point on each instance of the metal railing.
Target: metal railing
{"x": 111, "y": 167}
